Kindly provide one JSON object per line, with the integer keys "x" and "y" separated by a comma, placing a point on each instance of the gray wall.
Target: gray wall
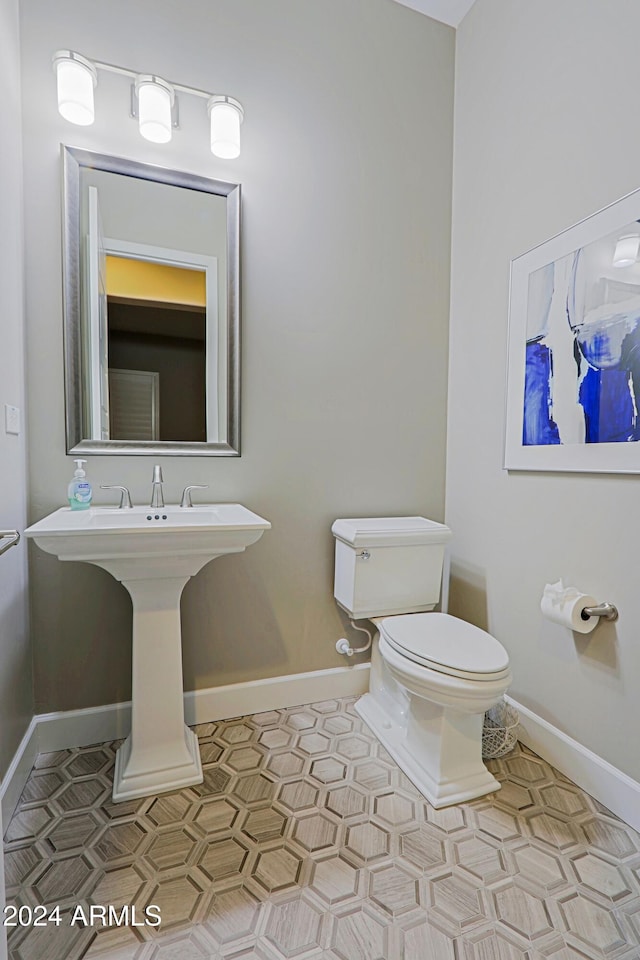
{"x": 545, "y": 135}
{"x": 16, "y": 697}
{"x": 346, "y": 175}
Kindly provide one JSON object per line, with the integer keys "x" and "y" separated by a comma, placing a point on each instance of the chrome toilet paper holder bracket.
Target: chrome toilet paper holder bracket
{"x": 606, "y": 611}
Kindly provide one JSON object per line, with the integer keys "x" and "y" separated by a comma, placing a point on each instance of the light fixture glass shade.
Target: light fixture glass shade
{"x": 626, "y": 252}
{"x": 225, "y": 115}
{"x": 155, "y": 100}
{"x": 76, "y": 79}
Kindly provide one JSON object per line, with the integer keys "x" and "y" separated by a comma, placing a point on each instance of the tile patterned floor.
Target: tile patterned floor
{"x": 306, "y": 841}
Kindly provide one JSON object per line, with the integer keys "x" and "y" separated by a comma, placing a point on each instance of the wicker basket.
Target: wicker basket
{"x": 499, "y": 730}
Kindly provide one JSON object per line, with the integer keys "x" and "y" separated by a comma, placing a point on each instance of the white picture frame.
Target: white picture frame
{"x": 573, "y": 381}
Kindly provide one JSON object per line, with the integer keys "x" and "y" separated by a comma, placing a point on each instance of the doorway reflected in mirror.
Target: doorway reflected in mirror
{"x": 156, "y": 320}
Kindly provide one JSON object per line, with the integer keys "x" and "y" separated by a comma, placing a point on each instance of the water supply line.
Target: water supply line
{"x": 343, "y": 646}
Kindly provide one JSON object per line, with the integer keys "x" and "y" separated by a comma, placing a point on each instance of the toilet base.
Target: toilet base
{"x": 423, "y": 757}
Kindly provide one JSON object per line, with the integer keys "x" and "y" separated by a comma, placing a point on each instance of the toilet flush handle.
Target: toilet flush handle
{"x": 364, "y": 555}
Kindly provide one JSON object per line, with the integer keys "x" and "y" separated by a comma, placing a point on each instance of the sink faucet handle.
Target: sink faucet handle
{"x": 125, "y": 496}
{"x": 186, "y": 493}
{"x": 157, "y": 473}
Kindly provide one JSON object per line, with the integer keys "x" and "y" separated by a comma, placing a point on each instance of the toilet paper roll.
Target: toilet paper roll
{"x": 564, "y": 605}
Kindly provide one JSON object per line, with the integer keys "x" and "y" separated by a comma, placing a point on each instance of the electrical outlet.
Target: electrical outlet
{"x": 11, "y": 419}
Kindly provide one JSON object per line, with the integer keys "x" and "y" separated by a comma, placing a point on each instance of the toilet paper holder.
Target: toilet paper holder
{"x": 570, "y": 607}
{"x": 607, "y": 611}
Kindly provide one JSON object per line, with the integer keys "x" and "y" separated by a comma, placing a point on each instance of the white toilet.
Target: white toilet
{"x": 432, "y": 676}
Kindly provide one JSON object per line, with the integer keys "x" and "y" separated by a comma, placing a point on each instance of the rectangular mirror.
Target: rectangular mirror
{"x": 151, "y": 309}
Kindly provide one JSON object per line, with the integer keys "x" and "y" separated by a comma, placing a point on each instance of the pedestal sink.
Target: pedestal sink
{"x": 153, "y": 553}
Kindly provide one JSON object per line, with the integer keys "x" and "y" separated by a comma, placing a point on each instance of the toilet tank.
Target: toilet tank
{"x": 388, "y": 565}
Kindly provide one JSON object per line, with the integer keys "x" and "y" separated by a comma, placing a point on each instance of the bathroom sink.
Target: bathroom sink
{"x": 107, "y": 533}
{"x": 153, "y": 552}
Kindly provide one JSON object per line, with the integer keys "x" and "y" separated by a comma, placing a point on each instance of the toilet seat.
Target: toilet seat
{"x": 446, "y": 645}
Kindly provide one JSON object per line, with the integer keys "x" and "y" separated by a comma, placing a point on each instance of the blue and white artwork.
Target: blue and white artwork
{"x": 574, "y": 352}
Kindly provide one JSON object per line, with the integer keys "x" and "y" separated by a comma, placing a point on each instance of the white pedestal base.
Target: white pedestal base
{"x": 442, "y": 758}
{"x": 161, "y": 753}
{"x": 129, "y": 782}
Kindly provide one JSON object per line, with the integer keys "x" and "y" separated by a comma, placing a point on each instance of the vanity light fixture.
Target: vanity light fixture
{"x": 155, "y": 99}
{"x": 153, "y": 102}
{"x": 77, "y": 77}
{"x": 626, "y": 252}
{"x": 225, "y": 115}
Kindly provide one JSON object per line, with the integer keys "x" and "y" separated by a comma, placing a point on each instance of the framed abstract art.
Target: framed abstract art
{"x": 573, "y": 378}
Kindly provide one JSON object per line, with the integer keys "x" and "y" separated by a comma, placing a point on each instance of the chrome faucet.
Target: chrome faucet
{"x": 125, "y": 496}
{"x": 157, "y": 500}
{"x": 186, "y": 493}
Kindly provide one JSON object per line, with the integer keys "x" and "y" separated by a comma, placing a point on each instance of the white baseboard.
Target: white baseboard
{"x": 80, "y": 728}
{"x": 600, "y": 779}
{"x": 256, "y": 696}
{"x": 19, "y": 769}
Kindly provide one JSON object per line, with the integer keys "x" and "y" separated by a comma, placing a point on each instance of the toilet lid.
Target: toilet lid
{"x": 445, "y": 644}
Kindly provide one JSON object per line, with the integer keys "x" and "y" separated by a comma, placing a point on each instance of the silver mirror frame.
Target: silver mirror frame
{"x": 73, "y": 160}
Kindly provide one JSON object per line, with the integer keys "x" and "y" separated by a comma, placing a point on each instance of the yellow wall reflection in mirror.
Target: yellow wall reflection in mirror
{"x": 132, "y": 279}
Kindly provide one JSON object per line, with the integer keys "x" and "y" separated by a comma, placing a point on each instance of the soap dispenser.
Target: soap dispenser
{"x": 79, "y": 490}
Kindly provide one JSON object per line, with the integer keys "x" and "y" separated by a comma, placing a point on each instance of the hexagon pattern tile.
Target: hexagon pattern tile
{"x": 305, "y": 842}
